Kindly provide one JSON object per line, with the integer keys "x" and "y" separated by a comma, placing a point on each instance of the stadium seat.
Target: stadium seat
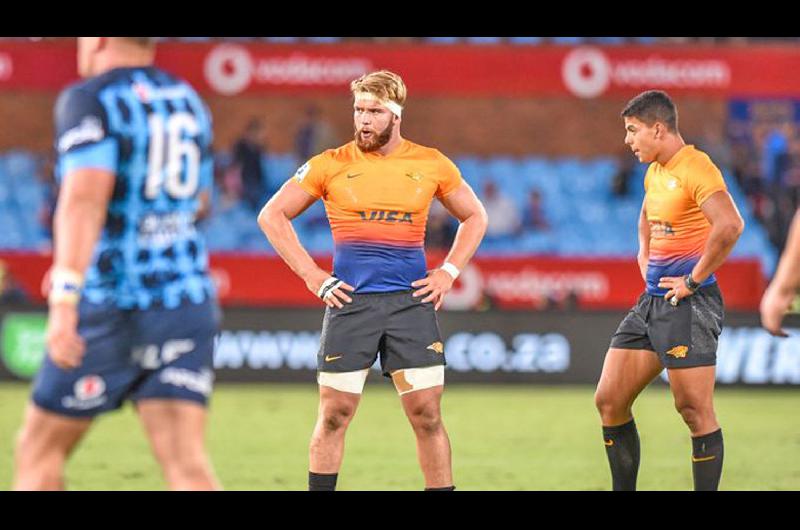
{"x": 443, "y": 40}
{"x": 279, "y": 167}
{"x": 282, "y": 40}
{"x": 568, "y": 41}
{"x": 484, "y": 40}
{"x": 323, "y": 40}
{"x": 526, "y": 40}
{"x": 585, "y": 218}
{"x": 614, "y": 41}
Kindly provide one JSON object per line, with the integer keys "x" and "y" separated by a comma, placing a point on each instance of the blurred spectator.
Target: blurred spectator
{"x": 50, "y": 186}
{"x": 10, "y": 291}
{"x": 775, "y": 155}
{"x": 504, "y": 216}
{"x": 441, "y": 228}
{"x": 620, "y": 184}
{"x": 533, "y": 217}
{"x": 247, "y": 156}
{"x": 314, "y": 135}
{"x": 714, "y": 144}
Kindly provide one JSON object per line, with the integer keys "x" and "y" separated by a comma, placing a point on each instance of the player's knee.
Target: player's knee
{"x": 425, "y": 419}
{"x": 693, "y": 414}
{"x": 34, "y": 469}
{"x": 608, "y": 405}
{"x": 336, "y": 416}
{"x": 187, "y": 468}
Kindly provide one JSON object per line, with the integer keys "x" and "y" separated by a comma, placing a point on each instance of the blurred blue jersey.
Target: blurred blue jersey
{"x": 153, "y": 132}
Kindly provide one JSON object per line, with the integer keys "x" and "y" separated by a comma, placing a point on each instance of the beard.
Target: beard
{"x": 377, "y": 142}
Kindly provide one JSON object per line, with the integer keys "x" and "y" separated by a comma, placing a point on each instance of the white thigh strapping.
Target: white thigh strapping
{"x": 352, "y": 382}
{"x": 412, "y": 379}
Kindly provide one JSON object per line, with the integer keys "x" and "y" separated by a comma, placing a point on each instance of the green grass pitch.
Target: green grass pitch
{"x": 503, "y": 438}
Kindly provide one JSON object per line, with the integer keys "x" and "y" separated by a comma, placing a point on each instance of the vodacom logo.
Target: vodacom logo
{"x": 589, "y": 72}
{"x": 229, "y": 69}
{"x": 6, "y": 67}
{"x": 586, "y": 72}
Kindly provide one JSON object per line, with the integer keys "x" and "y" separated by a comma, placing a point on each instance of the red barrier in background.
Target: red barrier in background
{"x": 431, "y": 70}
{"x": 505, "y": 283}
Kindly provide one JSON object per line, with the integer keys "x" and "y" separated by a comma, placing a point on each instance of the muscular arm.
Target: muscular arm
{"x": 644, "y": 241}
{"x": 275, "y": 221}
{"x": 465, "y": 206}
{"x": 79, "y": 217}
{"x": 726, "y": 227}
{"x": 783, "y": 287}
{"x": 78, "y": 220}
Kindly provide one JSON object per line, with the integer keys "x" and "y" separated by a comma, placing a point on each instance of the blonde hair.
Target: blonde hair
{"x": 382, "y": 84}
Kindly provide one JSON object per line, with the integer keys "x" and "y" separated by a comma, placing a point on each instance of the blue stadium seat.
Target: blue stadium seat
{"x": 613, "y": 41}
{"x": 471, "y": 169}
{"x": 323, "y": 40}
{"x": 443, "y": 40}
{"x": 484, "y": 40}
{"x": 282, "y": 40}
{"x": 568, "y": 41}
{"x": 533, "y": 41}
{"x": 279, "y": 167}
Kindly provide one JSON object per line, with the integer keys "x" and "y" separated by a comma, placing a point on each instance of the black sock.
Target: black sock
{"x": 446, "y": 488}
{"x": 707, "y": 452}
{"x": 322, "y": 481}
{"x": 622, "y": 449}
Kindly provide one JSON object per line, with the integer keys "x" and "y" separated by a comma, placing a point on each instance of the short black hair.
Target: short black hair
{"x": 653, "y": 106}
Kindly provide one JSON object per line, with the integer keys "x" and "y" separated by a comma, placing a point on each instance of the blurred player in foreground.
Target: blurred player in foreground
{"x": 377, "y": 191}
{"x": 132, "y": 310}
{"x": 783, "y": 288}
{"x": 687, "y": 227}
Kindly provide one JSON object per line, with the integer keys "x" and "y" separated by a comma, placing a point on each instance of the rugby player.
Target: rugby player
{"x": 687, "y": 227}
{"x": 132, "y": 310}
{"x": 377, "y": 191}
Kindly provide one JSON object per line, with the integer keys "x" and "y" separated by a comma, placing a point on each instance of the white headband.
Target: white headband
{"x": 396, "y": 109}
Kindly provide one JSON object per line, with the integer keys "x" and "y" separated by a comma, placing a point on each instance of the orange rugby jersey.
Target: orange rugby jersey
{"x": 678, "y": 229}
{"x": 378, "y": 208}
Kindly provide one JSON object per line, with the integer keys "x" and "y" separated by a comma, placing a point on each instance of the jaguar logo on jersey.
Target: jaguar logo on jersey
{"x": 679, "y": 352}
{"x": 437, "y": 346}
{"x": 89, "y": 392}
{"x": 89, "y": 130}
{"x": 383, "y": 215}
{"x": 302, "y": 171}
{"x": 416, "y": 177}
{"x": 673, "y": 184}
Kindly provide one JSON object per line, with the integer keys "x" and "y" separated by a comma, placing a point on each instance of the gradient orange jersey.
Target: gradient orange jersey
{"x": 378, "y": 207}
{"x": 678, "y": 229}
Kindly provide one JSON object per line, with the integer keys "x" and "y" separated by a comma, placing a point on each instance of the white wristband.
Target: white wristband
{"x": 65, "y": 286}
{"x": 327, "y": 287}
{"x": 450, "y": 269}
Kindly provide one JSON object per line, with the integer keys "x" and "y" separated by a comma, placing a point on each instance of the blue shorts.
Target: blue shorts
{"x": 135, "y": 354}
